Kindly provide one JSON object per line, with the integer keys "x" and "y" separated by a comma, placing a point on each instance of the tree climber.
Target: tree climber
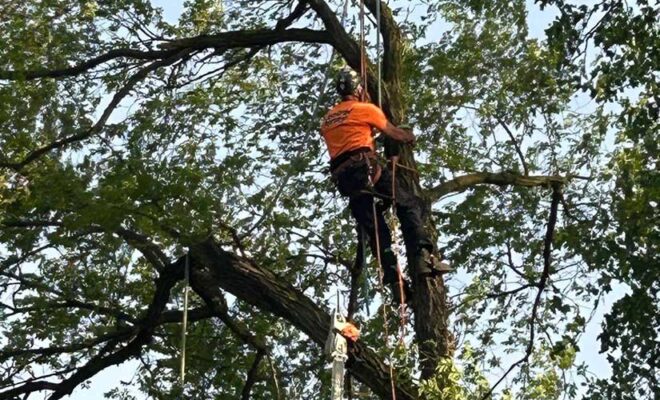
{"x": 348, "y": 133}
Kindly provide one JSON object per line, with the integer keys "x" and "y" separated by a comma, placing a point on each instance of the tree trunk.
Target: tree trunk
{"x": 430, "y": 294}
{"x": 430, "y": 302}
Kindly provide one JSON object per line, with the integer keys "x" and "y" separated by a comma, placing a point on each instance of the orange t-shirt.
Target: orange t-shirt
{"x": 348, "y": 126}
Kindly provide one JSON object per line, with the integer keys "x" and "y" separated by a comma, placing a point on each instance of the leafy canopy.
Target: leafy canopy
{"x": 109, "y": 173}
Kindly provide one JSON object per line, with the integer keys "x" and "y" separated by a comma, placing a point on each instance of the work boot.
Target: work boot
{"x": 396, "y": 293}
{"x": 429, "y": 265}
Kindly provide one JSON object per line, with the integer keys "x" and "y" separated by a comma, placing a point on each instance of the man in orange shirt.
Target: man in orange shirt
{"x": 348, "y": 133}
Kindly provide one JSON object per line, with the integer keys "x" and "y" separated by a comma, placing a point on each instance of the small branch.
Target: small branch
{"x": 510, "y": 292}
{"x": 71, "y": 303}
{"x": 30, "y": 223}
{"x": 356, "y": 271}
{"x": 510, "y": 261}
{"x": 297, "y": 12}
{"x": 217, "y": 305}
{"x": 541, "y": 285}
{"x": 274, "y": 376}
{"x": 252, "y": 375}
{"x": 141, "y": 242}
{"x": 47, "y": 351}
{"x": 515, "y": 144}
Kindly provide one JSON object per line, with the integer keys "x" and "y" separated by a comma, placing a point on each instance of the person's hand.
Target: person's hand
{"x": 411, "y": 137}
{"x": 409, "y": 131}
{"x": 398, "y": 134}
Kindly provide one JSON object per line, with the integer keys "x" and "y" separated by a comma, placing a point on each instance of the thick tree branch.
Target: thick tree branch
{"x": 87, "y": 65}
{"x": 350, "y": 50}
{"x": 248, "y": 38}
{"x": 176, "y": 316}
{"x": 213, "y": 267}
{"x": 173, "y": 51}
{"x": 29, "y": 387}
{"x": 151, "y": 252}
{"x": 464, "y": 182}
{"x": 226, "y": 40}
{"x": 341, "y": 40}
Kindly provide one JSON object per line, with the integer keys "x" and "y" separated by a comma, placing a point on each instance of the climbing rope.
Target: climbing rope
{"x": 184, "y": 323}
{"x": 365, "y": 79}
{"x": 402, "y": 309}
{"x": 363, "y": 56}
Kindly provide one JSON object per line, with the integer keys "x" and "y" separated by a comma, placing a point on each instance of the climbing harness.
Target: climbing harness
{"x": 184, "y": 323}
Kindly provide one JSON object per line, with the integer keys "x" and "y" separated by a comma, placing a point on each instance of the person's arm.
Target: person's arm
{"x": 375, "y": 117}
{"x": 397, "y": 133}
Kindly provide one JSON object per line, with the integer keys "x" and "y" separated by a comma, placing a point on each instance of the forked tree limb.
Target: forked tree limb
{"x": 213, "y": 267}
{"x": 217, "y": 304}
{"x": 515, "y": 144}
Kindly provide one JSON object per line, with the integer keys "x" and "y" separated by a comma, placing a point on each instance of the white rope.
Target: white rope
{"x": 184, "y": 327}
{"x": 378, "y": 56}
